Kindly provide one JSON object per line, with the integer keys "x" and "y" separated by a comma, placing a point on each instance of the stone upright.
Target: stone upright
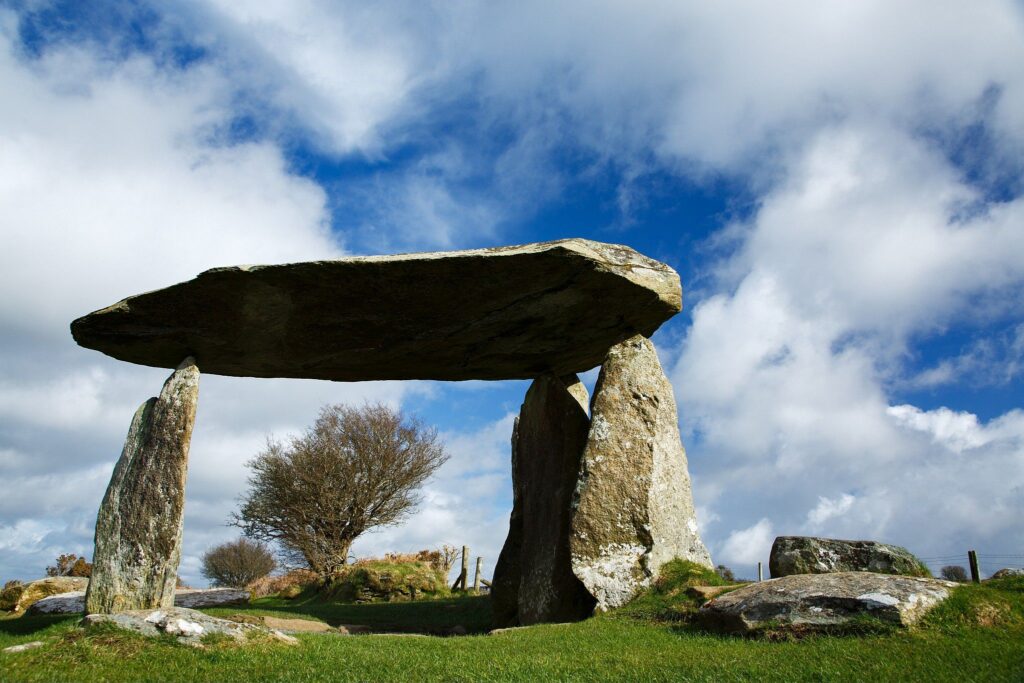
{"x": 634, "y": 508}
{"x": 139, "y": 525}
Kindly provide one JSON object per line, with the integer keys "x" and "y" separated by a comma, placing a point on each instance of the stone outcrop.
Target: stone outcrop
{"x": 510, "y": 312}
{"x": 811, "y": 555}
{"x": 533, "y": 580}
{"x": 803, "y": 602}
{"x": 139, "y": 525}
{"x": 1007, "y": 573}
{"x": 187, "y": 625}
{"x": 634, "y": 508}
{"x": 21, "y": 597}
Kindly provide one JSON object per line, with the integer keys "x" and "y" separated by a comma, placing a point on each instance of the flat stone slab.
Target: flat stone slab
{"x": 187, "y": 625}
{"x": 822, "y": 601}
{"x": 504, "y": 313}
{"x": 74, "y": 601}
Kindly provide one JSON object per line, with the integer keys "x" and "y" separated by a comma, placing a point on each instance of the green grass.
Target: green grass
{"x": 649, "y": 640}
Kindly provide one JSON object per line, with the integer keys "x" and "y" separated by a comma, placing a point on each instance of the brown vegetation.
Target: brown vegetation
{"x": 70, "y": 564}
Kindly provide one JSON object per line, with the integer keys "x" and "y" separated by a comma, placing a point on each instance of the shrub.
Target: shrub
{"x": 70, "y": 564}
{"x": 954, "y": 572}
{"x": 237, "y": 563}
{"x": 725, "y": 573}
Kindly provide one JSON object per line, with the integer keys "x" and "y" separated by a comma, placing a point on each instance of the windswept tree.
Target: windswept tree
{"x": 354, "y": 470}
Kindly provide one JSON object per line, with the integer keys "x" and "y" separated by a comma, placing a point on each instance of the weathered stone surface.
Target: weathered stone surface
{"x": 822, "y": 601}
{"x": 139, "y": 525}
{"x": 1007, "y": 573}
{"x": 211, "y": 597}
{"x": 22, "y": 598}
{"x": 74, "y": 601}
{"x": 511, "y": 312}
{"x": 187, "y": 625}
{"x": 634, "y": 508}
{"x": 549, "y": 438}
{"x": 812, "y": 555}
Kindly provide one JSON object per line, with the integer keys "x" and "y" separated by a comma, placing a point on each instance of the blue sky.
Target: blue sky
{"x": 839, "y": 186}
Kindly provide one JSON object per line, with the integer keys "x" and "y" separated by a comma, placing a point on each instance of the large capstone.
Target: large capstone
{"x": 139, "y": 525}
{"x": 813, "y": 555}
{"x": 510, "y": 312}
{"x": 534, "y": 581}
{"x": 634, "y": 510}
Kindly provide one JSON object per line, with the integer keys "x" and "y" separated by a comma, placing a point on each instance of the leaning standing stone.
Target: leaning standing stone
{"x": 549, "y": 439}
{"x": 634, "y": 509}
{"x": 139, "y": 525}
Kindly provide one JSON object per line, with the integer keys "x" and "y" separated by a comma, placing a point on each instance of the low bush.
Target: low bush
{"x": 237, "y": 563}
{"x": 11, "y": 594}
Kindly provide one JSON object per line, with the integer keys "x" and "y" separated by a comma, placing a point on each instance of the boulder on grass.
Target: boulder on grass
{"x": 809, "y": 602}
{"x": 18, "y": 598}
{"x": 812, "y": 555}
{"x": 1007, "y": 573}
{"x": 187, "y": 625}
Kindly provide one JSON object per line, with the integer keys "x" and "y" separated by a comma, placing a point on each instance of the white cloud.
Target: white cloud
{"x": 827, "y": 508}
{"x": 748, "y": 546}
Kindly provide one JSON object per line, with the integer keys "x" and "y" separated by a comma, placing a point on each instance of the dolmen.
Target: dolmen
{"x": 600, "y": 484}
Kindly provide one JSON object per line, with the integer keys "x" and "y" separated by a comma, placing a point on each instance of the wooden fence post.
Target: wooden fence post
{"x": 476, "y": 577}
{"x": 972, "y": 559}
{"x": 464, "y": 575}
{"x": 760, "y": 573}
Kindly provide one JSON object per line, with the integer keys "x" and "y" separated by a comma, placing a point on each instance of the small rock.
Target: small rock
{"x": 821, "y": 601}
{"x": 811, "y": 555}
{"x": 24, "y": 646}
{"x": 353, "y": 629}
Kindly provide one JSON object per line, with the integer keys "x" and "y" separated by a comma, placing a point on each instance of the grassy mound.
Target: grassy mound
{"x": 671, "y": 598}
{"x": 387, "y": 580}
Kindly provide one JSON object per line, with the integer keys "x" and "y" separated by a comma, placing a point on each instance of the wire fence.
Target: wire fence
{"x": 988, "y": 563}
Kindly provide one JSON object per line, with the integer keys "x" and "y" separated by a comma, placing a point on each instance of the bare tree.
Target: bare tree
{"x": 237, "y": 563}
{"x": 355, "y": 469}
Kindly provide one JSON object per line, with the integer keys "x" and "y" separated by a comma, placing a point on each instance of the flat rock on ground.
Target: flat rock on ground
{"x": 288, "y": 625}
{"x": 74, "y": 601}
{"x": 505, "y": 313}
{"x": 823, "y": 601}
{"x": 187, "y": 625}
{"x": 813, "y": 555}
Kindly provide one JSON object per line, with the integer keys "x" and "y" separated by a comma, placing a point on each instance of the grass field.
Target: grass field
{"x": 978, "y": 635}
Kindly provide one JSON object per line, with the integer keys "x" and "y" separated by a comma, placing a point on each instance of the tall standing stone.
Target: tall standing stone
{"x": 534, "y": 575}
{"x": 634, "y": 509}
{"x": 139, "y": 525}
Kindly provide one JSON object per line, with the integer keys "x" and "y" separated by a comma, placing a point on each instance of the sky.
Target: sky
{"x": 839, "y": 185}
